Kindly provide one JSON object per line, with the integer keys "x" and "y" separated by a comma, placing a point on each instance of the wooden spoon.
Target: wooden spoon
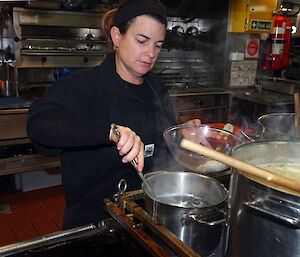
{"x": 297, "y": 114}
{"x": 240, "y": 165}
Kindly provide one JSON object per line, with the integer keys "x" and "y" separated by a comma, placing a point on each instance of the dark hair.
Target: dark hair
{"x": 108, "y": 18}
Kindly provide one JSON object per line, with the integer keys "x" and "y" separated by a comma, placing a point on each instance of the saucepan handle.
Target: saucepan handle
{"x": 280, "y": 211}
{"x": 196, "y": 218}
{"x": 249, "y": 136}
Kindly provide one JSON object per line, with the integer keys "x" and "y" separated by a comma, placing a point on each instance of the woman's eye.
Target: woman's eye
{"x": 141, "y": 41}
{"x": 158, "y": 46}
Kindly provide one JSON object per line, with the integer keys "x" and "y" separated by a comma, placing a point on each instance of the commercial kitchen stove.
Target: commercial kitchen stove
{"x": 130, "y": 232}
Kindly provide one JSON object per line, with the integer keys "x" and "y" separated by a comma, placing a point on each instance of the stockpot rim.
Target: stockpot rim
{"x": 262, "y": 142}
{"x": 265, "y": 116}
{"x": 157, "y": 173}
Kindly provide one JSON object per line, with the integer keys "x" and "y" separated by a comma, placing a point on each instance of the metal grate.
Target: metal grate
{"x": 177, "y": 80}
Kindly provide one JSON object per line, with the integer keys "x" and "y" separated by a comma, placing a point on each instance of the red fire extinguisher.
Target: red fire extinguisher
{"x": 287, "y": 44}
{"x": 275, "y": 49}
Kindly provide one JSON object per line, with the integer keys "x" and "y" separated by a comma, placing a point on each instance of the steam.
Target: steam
{"x": 166, "y": 162}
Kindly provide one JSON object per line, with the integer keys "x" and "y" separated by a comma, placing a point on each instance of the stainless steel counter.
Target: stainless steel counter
{"x": 12, "y": 102}
{"x": 264, "y": 97}
{"x": 196, "y": 101}
{"x": 247, "y": 105}
{"x": 14, "y": 111}
{"x": 30, "y": 162}
{"x": 197, "y": 91}
{"x": 14, "y": 155}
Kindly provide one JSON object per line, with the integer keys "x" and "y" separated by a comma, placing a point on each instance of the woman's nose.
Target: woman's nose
{"x": 151, "y": 52}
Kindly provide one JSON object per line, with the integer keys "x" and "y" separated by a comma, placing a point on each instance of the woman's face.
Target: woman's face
{"x": 138, "y": 48}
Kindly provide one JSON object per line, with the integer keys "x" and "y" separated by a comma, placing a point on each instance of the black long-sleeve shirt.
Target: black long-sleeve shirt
{"x": 73, "y": 119}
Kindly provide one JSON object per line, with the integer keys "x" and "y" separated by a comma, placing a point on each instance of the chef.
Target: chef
{"x": 74, "y": 118}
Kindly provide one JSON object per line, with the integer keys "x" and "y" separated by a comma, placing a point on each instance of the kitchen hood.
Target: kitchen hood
{"x": 195, "y": 9}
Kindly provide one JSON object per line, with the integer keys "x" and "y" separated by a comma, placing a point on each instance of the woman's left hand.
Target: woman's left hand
{"x": 190, "y": 132}
{"x": 194, "y": 122}
{"x": 193, "y": 134}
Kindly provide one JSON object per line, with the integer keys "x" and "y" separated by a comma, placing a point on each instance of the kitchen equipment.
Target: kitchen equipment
{"x": 6, "y": 24}
{"x": 236, "y": 130}
{"x": 280, "y": 181}
{"x": 70, "y": 4}
{"x": 174, "y": 74}
{"x": 60, "y": 237}
{"x": 219, "y": 139}
{"x": 8, "y": 85}
{"x": 47, "y": 4}
{"x": 131, "y": 232}
{"x": 7, "y": 88}
{"x": 192, "y": 31}
{"x": 60, "y": 39}
{"x": 263, "y": 221}
{"x": 277, "y": 126}
{"x": 192, "y": 37}
{"x": 178, "y": 36}
{"x": 285, "y": 86}
{"x": 47, "y": 40}
{"x": 297, "y": 114}
{"x": 190, "y": 205}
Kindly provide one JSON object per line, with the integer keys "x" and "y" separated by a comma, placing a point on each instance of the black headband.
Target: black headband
{"x": 132, "y": 10}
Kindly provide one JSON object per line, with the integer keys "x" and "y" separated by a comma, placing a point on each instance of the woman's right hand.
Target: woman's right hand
{"x": 129, "y": 145}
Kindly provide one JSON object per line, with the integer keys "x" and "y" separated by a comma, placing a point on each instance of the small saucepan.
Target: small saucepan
{"x": 191, "y": 206}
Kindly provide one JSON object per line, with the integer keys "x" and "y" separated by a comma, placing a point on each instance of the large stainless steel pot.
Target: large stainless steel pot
{"x": 191, "y": 206}
{"x": 263, "y": 220}
{"x": 277, "y": 126}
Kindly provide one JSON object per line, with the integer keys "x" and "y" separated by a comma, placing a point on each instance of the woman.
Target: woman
{"x": 74, "y": 117}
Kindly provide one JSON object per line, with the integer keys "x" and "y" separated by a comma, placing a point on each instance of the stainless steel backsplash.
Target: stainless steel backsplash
{"x": 196, "y": 49}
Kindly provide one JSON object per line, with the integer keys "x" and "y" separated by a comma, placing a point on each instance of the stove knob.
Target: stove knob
{"x": 85, "y": 59}
{"x": 44, "y": 59}
{"x": 89, "y": 36}
{"x": 199, "y": 102}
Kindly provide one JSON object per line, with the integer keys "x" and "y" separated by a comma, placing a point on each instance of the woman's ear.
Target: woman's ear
{"x": 115, "y": 35}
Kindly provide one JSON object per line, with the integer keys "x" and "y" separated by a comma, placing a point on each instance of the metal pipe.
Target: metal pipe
{"x": 51, "y": 239}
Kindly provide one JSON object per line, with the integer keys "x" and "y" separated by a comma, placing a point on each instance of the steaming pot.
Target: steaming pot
{"x": 192, "y": 207}
{"x": 263, "y": 220}
{"x": 277, "y": 126}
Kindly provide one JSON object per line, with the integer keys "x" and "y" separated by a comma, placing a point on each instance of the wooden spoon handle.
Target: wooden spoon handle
{"x": 297, "y": 114}
{"x": 240, "y": 165}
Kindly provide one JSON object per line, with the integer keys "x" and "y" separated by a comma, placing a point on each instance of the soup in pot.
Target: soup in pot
{"x": 287, "y": 170}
